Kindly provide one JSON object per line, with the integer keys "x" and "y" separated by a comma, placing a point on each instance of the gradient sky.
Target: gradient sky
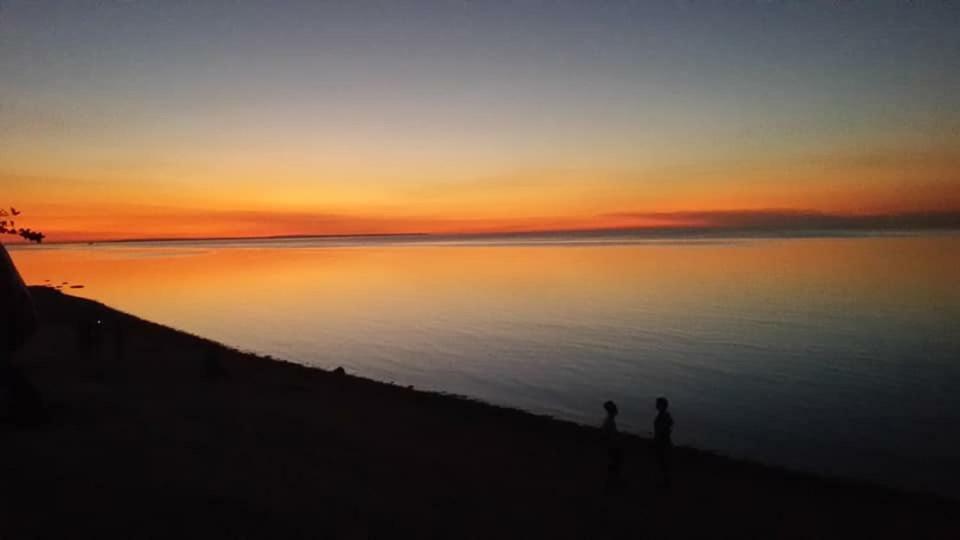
{"x": 171, "y": 118}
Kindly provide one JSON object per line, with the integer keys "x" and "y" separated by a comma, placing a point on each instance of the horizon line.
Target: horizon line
{"x": 690, "y": 230}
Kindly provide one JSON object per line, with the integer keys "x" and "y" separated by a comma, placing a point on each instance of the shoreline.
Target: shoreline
{"x": 148, "y": 444}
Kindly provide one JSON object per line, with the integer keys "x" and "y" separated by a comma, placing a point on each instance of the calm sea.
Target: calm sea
{"x": 836, "y": 354}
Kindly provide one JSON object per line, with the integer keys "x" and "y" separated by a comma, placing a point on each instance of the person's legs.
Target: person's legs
{"x": 663, "y": 463}
{"x": 614, "y": 468}
{"x": 616, "y": 461}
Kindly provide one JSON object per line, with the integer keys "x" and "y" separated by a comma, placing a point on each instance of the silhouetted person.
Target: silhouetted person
{"x": 662, "y": 441}
{"x": 18, "y": 321}
{"x": 611, "y": 436}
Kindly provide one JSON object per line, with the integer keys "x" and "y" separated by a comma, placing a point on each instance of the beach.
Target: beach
{"x": 156, "y": 434}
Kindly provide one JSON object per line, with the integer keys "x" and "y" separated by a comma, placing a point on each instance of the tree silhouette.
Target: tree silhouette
{"x": 8, "y": 225}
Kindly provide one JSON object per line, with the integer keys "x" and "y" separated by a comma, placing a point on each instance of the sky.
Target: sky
{"x": 216, "y": 118}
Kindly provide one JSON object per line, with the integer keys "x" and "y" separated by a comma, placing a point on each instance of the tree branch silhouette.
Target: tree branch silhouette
{"x": 8, "y": 225}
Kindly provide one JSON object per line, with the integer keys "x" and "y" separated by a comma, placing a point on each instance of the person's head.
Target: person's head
{"x": 662, "y": 404}
{"x": 611, "y": 408}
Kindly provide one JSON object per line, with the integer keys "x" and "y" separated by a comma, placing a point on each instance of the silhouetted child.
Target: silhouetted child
{"x": 614, "y": 444}
{"x": 662, "y": 442}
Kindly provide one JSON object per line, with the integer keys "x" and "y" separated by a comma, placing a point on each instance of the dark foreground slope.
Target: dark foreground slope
{"x": 148, "y": 447}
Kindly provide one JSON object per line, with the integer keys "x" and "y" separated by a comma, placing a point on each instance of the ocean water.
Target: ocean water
{"x": 837, "y": 354}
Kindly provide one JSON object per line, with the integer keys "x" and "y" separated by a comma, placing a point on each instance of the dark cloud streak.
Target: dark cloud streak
{"x": 778, "y": 219}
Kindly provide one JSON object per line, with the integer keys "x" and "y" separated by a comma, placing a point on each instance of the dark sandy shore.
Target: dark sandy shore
{"x": 147, "y": 446}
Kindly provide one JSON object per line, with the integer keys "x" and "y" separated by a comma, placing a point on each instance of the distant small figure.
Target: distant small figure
{"x": 662, "y": 441}
{"x": 614, "y": 444}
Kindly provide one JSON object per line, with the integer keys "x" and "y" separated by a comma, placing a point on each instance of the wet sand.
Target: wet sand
{"x": 152, "y": 443}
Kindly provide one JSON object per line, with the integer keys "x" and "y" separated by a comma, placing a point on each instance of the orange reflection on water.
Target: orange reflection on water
{"x": 203, "y": 280}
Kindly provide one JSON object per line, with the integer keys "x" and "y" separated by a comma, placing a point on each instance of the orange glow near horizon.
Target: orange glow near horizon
{"x": 201, "y": 275}
{"x": 136, "y": 120}
{"x": 67, "y": 211}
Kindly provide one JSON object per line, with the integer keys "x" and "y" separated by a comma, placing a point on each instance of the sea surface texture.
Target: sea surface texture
{"x": 837, "y": 354}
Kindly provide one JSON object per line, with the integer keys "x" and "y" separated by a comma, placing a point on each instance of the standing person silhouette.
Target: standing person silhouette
{"x": 18, "y": 321}
{"x": 614, "y": 445}
{"x": 662, "y": 441}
